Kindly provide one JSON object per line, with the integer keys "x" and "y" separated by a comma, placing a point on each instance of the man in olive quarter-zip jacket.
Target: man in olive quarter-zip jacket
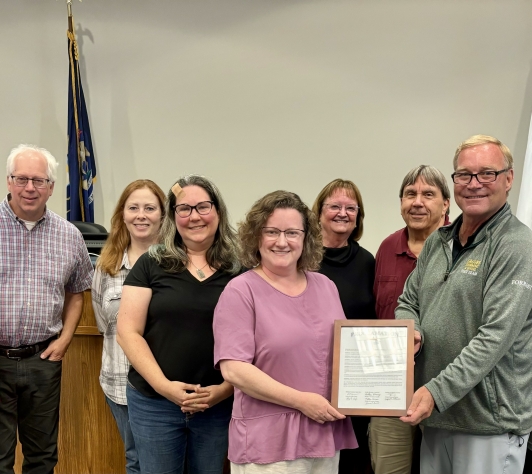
{"x": 471, "y": 299}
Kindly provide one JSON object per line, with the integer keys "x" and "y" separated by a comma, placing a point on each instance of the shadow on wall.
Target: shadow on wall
{"x": 521, "y": 137}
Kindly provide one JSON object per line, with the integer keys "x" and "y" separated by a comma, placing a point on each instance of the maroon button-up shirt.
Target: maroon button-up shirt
{"x": 393, "y": 263}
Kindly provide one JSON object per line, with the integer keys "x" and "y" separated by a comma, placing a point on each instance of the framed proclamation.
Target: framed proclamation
{"x": 373, "y": 367}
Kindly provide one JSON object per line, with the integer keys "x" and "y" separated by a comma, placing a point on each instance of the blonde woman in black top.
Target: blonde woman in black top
{"x": 340, "y": 210}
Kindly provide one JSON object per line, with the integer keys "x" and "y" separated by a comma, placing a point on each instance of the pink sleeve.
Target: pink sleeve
{"x": 234, "y": 325}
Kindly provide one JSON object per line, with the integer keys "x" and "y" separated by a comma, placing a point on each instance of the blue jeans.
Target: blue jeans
{"x": 165, "y": 436}
{"x": 121, "y": 417}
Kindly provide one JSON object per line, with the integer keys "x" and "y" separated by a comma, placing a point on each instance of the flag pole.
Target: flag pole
{"x": 69, "y": 10}
{"x": 73, "y": 56}
{"x": 80, "y": 156}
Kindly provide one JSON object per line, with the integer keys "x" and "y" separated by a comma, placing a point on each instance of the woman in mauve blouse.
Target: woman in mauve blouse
{"x": 273, "y": 330}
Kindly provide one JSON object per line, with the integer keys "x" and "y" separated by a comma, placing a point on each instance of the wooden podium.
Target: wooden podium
{"x": 89, "y": 442}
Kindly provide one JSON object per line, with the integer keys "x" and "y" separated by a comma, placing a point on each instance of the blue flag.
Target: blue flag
{"x": 80, "y": 157}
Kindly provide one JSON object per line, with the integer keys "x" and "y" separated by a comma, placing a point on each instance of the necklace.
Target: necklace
{"x": 199, "y": 271}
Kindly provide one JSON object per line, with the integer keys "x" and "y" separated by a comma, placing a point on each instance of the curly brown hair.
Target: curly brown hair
{"x": 250, "y": 230}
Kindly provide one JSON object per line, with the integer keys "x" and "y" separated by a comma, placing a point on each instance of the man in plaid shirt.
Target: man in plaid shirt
{"x": 44, "y": 269}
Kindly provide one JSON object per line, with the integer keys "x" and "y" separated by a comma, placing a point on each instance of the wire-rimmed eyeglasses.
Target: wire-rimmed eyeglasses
{"x": 22, "y": 181}
{"x": 335, "y": 208}
{"x": 273, "y": 233}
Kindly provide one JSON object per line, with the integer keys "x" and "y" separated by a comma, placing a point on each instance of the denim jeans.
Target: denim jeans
{"x": 121, "y": 416}
{"x": 165, "y": 436}
{"x": 29, "y": 399}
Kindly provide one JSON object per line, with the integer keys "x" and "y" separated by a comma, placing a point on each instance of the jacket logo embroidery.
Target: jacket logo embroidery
{"x": 528, "y": 286}
{"x": 471, "y": 267}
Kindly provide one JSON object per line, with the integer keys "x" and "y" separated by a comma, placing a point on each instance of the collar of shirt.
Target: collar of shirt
{"x": 9, "y": 211}
{"x": 125, "y": 261}
{"x": 471, "y": 238}
{"x": 457, "y": 246}
{"x": 402, "y": 245}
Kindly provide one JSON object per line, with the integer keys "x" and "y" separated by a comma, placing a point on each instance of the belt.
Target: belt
{"x": 23, "y": 352}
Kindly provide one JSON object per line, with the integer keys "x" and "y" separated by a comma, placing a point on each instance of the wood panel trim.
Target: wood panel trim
{"x": 89, "y": 441}
{"x": 87, "y": 331}
{"x": 87, "y": 323}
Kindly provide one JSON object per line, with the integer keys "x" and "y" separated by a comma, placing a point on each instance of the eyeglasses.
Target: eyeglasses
{"x": 202, "y": 208}
{"x": 336, "y": 208}
{"x": 482, "y": 177}
{"x": 273, "y": 233}
{"x": 22, "y": 181}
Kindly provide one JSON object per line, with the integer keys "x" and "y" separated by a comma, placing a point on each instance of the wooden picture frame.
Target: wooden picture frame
{"x": 374, "y": 365}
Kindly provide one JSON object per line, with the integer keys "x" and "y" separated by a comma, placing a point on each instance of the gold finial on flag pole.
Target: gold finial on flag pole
{"x": 69, "y": 10}
{"x": 69, "y": 6}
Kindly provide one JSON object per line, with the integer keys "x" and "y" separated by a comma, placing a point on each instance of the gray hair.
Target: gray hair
{"x": 432, "y": 176}
{"x": 50, "y": 160}
{"x": 171, "y": 254}
{"x": 476, "y": 140}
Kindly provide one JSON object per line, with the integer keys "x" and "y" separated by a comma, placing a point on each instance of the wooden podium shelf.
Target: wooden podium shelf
{"x": 89, "y": 442}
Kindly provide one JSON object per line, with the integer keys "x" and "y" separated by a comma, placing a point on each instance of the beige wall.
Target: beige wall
{"x": 262, "y": 95}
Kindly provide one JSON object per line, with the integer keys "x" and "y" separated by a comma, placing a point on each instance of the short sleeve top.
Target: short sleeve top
{"x": 290, "y": 338}
{"x": 179, "y": 323}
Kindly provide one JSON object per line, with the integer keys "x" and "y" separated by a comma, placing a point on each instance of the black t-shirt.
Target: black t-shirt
{"x": 457, "y": 245}
{"x": 352, "y": 269}
{"x": 179, "y": 323}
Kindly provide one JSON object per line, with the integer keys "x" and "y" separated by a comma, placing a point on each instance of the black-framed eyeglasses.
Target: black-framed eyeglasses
{"x": 482, "y": 177}
{"x": 273, "y": 233}
{"x": 202, "y": 208}
{"x": 22, "y": 181}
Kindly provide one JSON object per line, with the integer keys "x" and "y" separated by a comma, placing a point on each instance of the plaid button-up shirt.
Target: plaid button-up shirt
{"x": 106, "y": 296}
{"x": 36, "y": 268}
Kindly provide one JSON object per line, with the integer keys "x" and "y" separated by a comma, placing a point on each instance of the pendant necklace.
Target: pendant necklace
{"x": 199, "y": 271}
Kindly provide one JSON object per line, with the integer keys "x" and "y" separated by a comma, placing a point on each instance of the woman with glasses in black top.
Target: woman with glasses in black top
{"x": 340, "y": 211}
{"x": 179, "y": 405}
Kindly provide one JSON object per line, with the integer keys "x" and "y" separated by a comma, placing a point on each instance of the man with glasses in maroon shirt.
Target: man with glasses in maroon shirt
{"x": 44, "y": 269}
{"x": 425, "y": 200}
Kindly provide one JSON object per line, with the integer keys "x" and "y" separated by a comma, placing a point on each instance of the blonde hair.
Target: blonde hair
{"x": 476, "y": 140}
{"x": 352, "y": 190}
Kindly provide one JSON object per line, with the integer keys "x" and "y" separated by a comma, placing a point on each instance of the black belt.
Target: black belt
{"x": 23, "y": 352}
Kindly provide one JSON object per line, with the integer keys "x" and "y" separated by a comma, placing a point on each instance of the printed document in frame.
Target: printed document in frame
{"x": 373, "y": 367}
